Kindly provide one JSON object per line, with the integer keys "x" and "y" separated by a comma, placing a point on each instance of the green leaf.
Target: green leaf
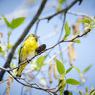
{"x": 9, "y": 32}
{"x": 77, "y": 33}
{"x": 85, "y": 21}
{"x": 62, "y": 85}
{"x": 6, "y": 21}
{"x": 10, "y": 46}
{"x": 86, "y": 89}
{"x": 67, "y": 31}
{"x": 85, "y": 70}
{"x": 12, "y": 65}
{"x": 73, "y": 81}
{"x": 68, "y": 70}
{"x": 61, "y": 1}
{"x": 27, "y": 88}
{"x": 2, "y": 48}
{"x": 45, "y": 56}
{"x": 77, "y": 69}
{"x": 40, "y": 61}
{"x": 60, "y": 67}
{"x": 70, "y": 93}
{"x": 61, "y": 90}
{"x": 77, "y": 41}
{"x": 33, "y": 62}
{"x": 17, "y": 22}
{"x": 46, "y": 63}
{"x": 0, "y": 18}
{"x": 92, "y": 87}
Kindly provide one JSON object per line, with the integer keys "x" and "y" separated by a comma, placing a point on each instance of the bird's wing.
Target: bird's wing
{"x": 19, "y": 61}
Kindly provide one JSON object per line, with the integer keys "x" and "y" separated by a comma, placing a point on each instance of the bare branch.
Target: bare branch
{"x": 61, "y": 35}
{"x": 61, "y": 11}
{"x": 80, "y": 14}
{"x": 3, "y": 81}
{"x": 31, "y": 84}
{"x": 37, "y": 26}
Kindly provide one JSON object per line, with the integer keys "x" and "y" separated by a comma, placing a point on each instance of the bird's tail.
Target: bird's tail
{"x": 20, "y": 69}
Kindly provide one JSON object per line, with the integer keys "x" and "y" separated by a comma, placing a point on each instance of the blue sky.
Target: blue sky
{"x": 85, "y": 51}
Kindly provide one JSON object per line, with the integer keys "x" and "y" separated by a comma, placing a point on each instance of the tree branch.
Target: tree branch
{"x": 38, "y": 86}
{"x": 27, "y": 61}
{"x": 9, "y": 58}
{"x": 80, "y": 14}
{"x": 62, "y": 11}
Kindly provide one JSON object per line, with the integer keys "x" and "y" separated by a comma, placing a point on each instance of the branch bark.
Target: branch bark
{"x": 63, "y": 10}
{"x": 9, "y": 58}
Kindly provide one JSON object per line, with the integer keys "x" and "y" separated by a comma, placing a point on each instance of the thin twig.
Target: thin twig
{"x": 62, "y": 27}
{"x": 3, "y": 81}
{"x": 58, "y": 53}
{"x": 61, "y": 35}
{"x": 80, "y": 14}
{"x": 37, "y": 26}
{"x": 61, "y": 11}
{"x": 31, "y": 84}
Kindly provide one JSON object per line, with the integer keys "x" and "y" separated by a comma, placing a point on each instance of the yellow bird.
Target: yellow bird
{"x": 27, "y": 51}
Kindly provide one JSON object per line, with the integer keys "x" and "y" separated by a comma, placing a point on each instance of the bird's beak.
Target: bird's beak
{"x": 38, "y": 37}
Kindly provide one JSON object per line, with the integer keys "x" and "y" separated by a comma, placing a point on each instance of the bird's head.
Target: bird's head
{"x": 33, "y": 36}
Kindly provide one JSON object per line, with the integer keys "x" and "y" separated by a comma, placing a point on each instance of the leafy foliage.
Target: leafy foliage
{"x": 85, "y": 70}
{"x": 62, "y": 84}
{"x": 67, "y": 31}
{"x": 62, "y": 1}
{"x": 68, "y": 70}
{"x": 70, "y": 93}
{"x": 15, "y": 22}
{"x": 77, "y": 41}
{"x": 40, "y": 61}
{"x": 12, "y": 65}
{"x": 60, "y": 67}
{"x": 77, "y": 33}
{"x": 90, "y": 22}
{"x": 10, "y": 46}
{"x": 7, "y": 22}
{"x": 72, "y": 81}
{"x": 85, "y": 21}
{"x": 77, "y": 69}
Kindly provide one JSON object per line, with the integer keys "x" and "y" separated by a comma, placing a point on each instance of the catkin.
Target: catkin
{"x": 8, "y": 86}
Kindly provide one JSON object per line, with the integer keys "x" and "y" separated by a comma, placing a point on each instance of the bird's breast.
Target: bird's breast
{"x": 28, "y": 50}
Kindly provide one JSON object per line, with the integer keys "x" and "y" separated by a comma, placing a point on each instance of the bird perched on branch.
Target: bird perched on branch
{"x": 28, "y": 49}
